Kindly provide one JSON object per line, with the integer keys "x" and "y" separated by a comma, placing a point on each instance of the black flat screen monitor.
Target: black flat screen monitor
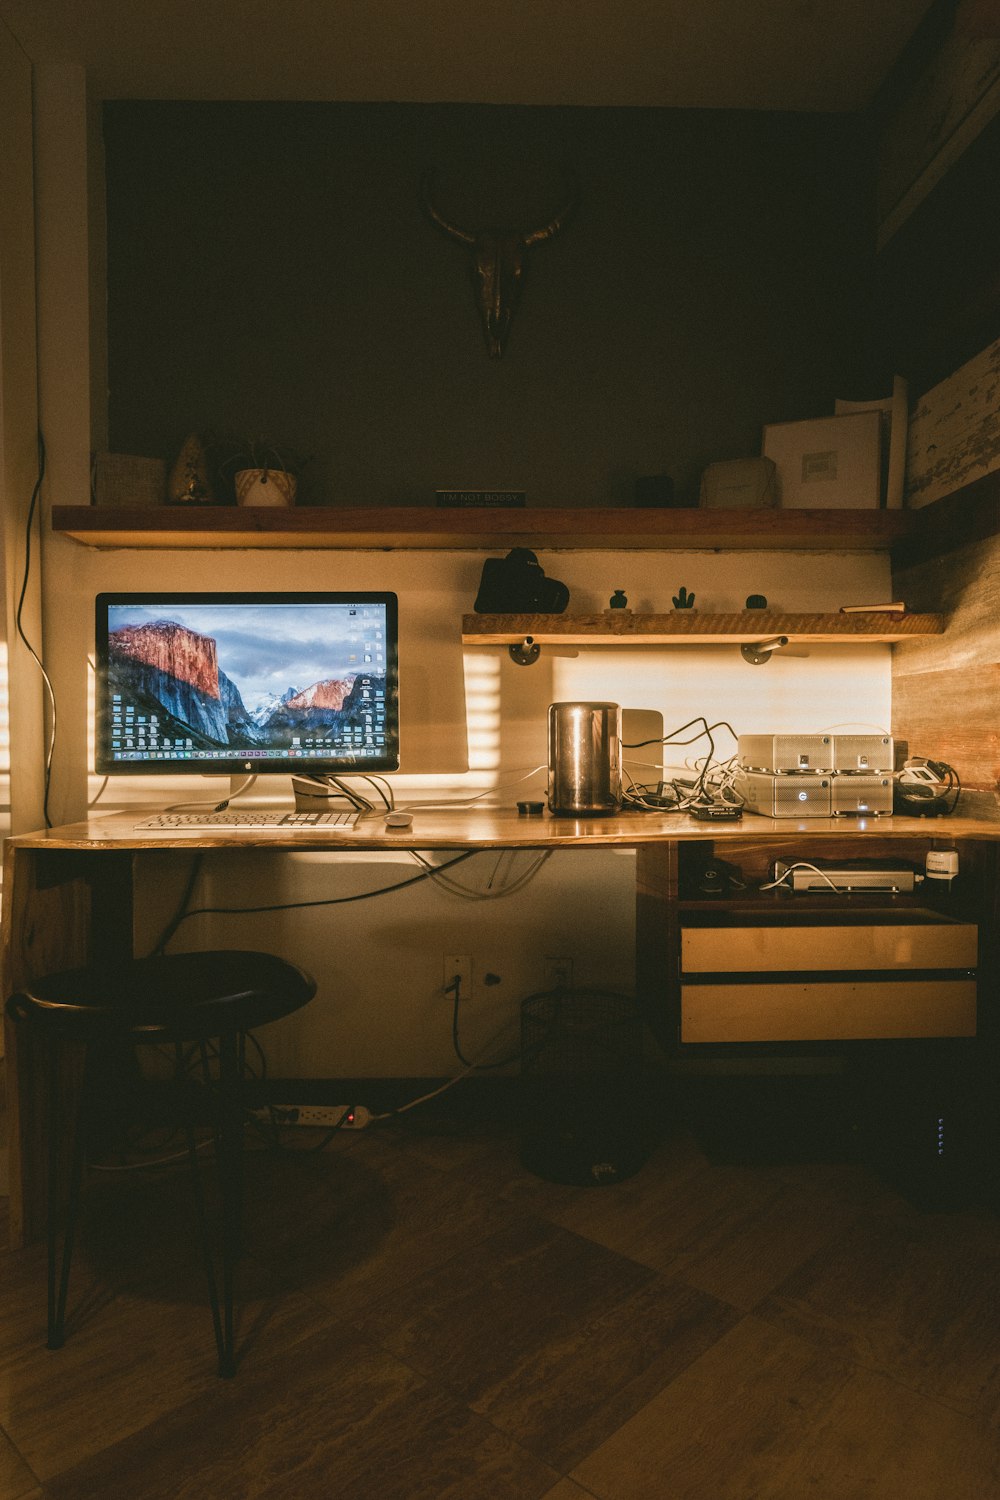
{"x": 237, "y": 683}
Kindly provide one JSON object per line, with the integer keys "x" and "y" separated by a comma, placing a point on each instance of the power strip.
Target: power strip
{"x": 320, "y": 1116}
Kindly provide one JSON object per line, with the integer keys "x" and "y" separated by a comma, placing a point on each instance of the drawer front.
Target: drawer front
{"x": 828, "y": 1010}
{"x": 750, "y": 950}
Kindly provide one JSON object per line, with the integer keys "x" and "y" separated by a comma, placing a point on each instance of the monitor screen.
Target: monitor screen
{"x": 246, "y": 682}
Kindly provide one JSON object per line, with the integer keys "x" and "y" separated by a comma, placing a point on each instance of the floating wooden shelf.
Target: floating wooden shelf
{"x": 427, "y": 527}
{"x": 970, "y": 514}
{"x": 693, "y": 628}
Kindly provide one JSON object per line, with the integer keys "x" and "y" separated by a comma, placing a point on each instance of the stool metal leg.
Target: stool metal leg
{"x": 231, "y": 1185}
{"x": 58, "y": 1274}
{"x": 200, "y": 1211}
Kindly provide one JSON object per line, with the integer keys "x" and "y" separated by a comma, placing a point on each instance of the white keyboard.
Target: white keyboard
{"x": 248, "y": 821}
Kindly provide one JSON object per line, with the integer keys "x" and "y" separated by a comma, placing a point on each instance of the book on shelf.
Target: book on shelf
{"x": 896, "y": 608}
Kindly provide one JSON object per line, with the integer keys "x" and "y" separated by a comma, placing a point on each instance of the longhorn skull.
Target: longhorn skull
{"x": 498, "y": 257}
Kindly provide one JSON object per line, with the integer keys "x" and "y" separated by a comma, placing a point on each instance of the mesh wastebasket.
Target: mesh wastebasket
{"x": 581, "y": 1079}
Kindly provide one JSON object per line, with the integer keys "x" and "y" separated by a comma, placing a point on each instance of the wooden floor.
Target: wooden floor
{"x": 421, "y": 1318}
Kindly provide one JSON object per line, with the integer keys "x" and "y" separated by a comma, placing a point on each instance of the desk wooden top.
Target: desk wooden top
{"x": 499, "y": 828}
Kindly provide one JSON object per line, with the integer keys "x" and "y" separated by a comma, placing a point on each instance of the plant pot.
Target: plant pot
{"x": 265, "y": 487}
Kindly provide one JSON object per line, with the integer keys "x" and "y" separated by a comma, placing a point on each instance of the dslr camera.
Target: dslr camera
{"x": 517, "y": 585}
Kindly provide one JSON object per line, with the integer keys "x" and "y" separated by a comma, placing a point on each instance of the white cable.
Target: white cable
{"x": 213, "y": 803}
{"x": 467, "y": 893}
{"x": 158, "y": 1161}
{"x": 472, "y": 1067}
{"x": 465, "y": 801}
{"x": 801, "y": 864}
{"x": 859, "y": 724}
{"x": 449, "y": 1083}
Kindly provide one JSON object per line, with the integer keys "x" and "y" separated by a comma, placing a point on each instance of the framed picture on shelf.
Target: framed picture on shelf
{"x": 827, "y": 463}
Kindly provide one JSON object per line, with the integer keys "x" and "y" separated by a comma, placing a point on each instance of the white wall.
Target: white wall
{"x": 380, "y": 1010}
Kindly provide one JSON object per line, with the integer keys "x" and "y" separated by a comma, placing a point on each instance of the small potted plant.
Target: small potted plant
{"x": 264, "y": 473}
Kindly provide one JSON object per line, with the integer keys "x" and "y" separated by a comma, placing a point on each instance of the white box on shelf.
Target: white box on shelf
{"x": 827, "y": 463}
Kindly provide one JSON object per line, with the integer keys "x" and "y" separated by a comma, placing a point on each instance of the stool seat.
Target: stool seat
{"x": 201, "y": 1003}
{"x": 174, "y": 997}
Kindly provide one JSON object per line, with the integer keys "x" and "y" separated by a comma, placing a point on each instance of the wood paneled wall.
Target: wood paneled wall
{"x": 946, "y": 691}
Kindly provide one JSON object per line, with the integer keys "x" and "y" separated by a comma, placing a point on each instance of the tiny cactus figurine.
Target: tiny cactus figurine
{"x": 683, "y": 600}
{"x": 618, "y": 600}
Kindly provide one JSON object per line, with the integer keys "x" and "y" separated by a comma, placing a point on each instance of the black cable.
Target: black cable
{"x": 671, "y": 738}
{"x": 262, "y": 1055}
{"x": 181, "y": 914}
{"x": 238, "y": 911}
{"x": 384, "y": 791}
{"x": 695, "y": 791}
{"x": 50, "y": 748}
{"x": 456, "y": 988}
{"x": 320, "y": 1145}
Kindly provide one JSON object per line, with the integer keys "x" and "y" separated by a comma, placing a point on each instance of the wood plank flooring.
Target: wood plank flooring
{"x": 422, "y": 1319}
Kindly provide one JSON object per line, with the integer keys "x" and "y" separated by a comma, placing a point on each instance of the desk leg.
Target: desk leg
{"x": 61, "y": 909}
{"x": 657, "y": 939}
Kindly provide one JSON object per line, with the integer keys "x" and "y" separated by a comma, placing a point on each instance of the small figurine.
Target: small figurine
{"x": 683, "y": 600}
{"x": 756, "y": 601}
{"x": 189, "y": 483}
{"x": 618, "y": 600}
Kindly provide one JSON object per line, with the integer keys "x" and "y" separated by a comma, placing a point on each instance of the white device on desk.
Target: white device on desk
{"x": 783, "y": 795}
{"x": 816, "y": 775}
{"x": 857, "y": 875}
{"x": 862, "y": 754}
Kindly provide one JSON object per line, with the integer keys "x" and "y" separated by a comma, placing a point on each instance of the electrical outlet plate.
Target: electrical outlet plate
{"x": 558, "y": 973}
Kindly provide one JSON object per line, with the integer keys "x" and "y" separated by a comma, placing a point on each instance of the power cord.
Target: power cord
{"x": 490, "y": 791}
{"x": 184, "y": 915}
{"x": 51, "y": 746}
{"x": 491, "y": 892}
{"x": 801, "y": 864}
{"x": 713, "y": 779}
{"x": 471, "y": 1064}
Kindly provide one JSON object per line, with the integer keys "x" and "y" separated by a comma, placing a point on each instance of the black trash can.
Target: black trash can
{"x": 583, "y": 1120}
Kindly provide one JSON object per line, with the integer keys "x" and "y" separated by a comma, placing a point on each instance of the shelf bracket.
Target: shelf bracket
{"x": 525, "y": 652}
{"x": 759, "y": 652}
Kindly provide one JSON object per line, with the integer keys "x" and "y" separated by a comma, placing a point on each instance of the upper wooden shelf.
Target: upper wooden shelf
{"x": 426, "y": 527}
{"x": 688, "y": 627}
{"x": 911, "y": 536}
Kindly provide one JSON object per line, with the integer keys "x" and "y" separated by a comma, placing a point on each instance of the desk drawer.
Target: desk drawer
{"x": 755, "y": 948}
{"x": 828, "y": 1010}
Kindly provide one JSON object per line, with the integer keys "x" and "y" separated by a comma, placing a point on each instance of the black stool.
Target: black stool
{"x": 179, "y": 999}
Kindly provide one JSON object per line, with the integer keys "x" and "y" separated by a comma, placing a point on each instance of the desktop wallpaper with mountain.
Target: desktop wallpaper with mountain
{"x": 227, "y": 677}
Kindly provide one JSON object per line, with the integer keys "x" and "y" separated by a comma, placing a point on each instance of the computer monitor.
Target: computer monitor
{"x": 255, "y": 682}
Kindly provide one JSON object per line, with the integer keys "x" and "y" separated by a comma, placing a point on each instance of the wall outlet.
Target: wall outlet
{"x": 457, "y": 966}
{"x": 558, "y": 973}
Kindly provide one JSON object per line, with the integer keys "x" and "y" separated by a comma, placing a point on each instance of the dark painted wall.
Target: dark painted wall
{"x": 271, "y": 268}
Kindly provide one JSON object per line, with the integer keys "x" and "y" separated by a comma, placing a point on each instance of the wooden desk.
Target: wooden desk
{"x": 69, "y": 894}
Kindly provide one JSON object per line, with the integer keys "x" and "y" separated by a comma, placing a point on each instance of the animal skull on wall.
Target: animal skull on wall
{"x": 498, "y": 260}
